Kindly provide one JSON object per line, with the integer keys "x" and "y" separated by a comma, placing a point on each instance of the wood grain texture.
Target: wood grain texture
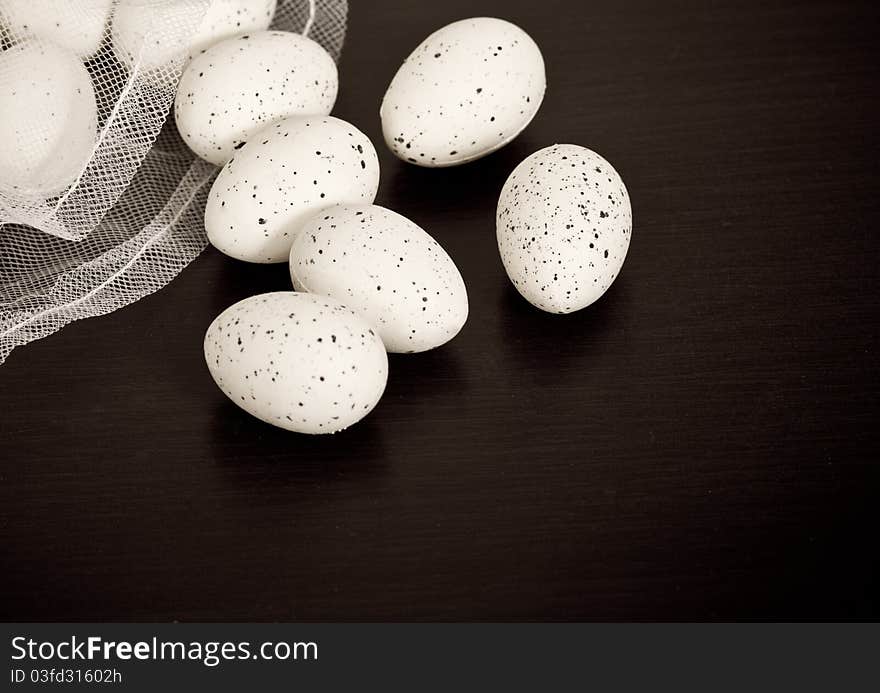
{"x": 700, "y": 444}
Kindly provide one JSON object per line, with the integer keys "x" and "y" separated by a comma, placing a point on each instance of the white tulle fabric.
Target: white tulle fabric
{"x": 133, "y": 217}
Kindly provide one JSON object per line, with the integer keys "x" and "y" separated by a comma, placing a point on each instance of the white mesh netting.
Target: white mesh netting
{"x": 101, "y": 203}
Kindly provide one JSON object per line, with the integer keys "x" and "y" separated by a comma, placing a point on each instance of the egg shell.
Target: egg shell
{"x": 465, "y": 91}
{"x": 564, "y": 224}
{"x": 227, "y": 18}
{"x": 48, "y": 117}
{"x": 283, "y": 175}
{"x": 157, "y": 35}
{"x": 386, "y": 268}
{"x": 240, "y": 84}
{"x": 78, "y": 26}
{"x": 302, "y": 362}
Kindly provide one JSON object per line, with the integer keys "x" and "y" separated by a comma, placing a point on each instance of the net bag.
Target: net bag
{"x": 101, "y": 202}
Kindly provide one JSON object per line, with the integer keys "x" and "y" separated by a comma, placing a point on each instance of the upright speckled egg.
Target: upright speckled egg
{"x": 283, "y": 175}
{"x": 78, "y": 26}
{"x": 298, "y": 361}
{"x": 467, "y": 90}
{"x": 564, "y": 224}
{"x": 239, "y": 85}
{"x": 386, "y": 268}
{"x": 48, "y": 118}
{"x": 153, "y": 35}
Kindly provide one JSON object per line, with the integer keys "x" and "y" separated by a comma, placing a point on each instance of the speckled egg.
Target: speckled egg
{"x": 564, "y": 223}
{"x": 385, "y": 267}
{"x": 227, "y": 18}
{"x": 283, "y": 175}
{"x": 155, "y": 34}
{"x": 239, "y": 85}
{"x": 467, "y": 90}
{"x": 48, "y": 118}
{"x": 78, "y": 26}
{"x": 298, "y": 361}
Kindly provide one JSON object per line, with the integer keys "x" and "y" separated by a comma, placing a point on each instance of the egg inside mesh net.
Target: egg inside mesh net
{"x": 91, "y": 223}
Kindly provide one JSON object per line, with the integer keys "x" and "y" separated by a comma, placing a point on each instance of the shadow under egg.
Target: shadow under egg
{"x": 248, "y": 449}
{"x": 471, "y": 188}
{"x": 427, "y": 373}
{"x": 573, "y": 339}
{"x": 236, "y": 279}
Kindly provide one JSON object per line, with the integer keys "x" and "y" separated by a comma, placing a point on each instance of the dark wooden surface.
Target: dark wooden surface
{"x": 700, "y": 444}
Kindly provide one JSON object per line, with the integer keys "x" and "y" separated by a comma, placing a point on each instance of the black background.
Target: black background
{"x": 700, "y": 444}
